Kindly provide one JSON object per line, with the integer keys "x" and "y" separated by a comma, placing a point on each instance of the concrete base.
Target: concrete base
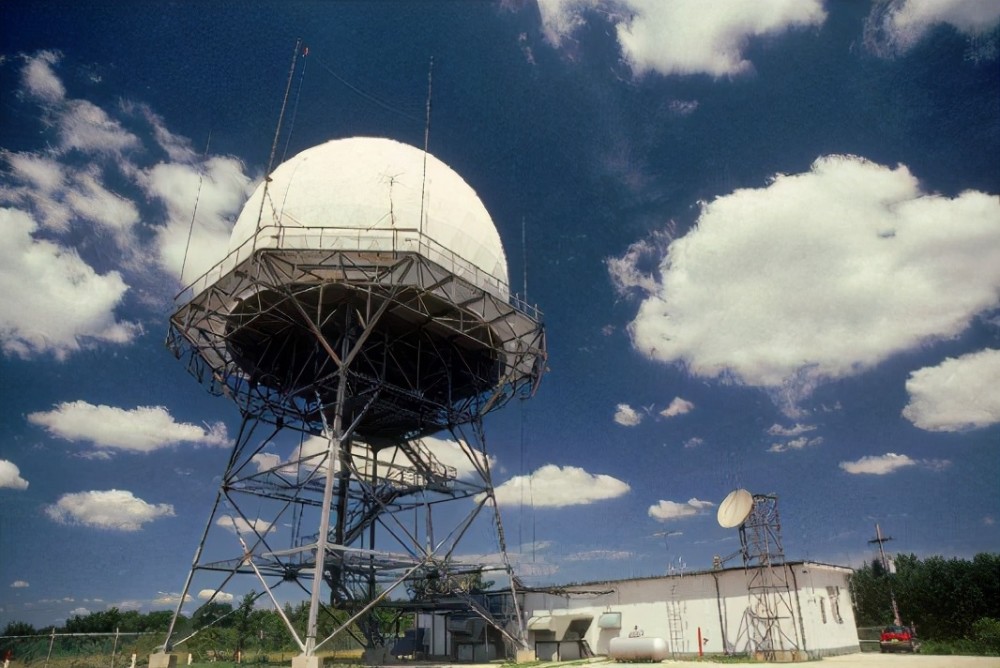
{"x": 303, "y": 661}
{"x": 161, "y": 660}
{"x": 524, "y": 656}
{"x": 377, "y": 656}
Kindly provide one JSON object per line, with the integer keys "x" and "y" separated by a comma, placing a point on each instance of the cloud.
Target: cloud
{"x": 53, "y": 195}
{"x": 265, "y": 461}
{"x": 219, "y": 188}
{"x": 40, "y": 80}
{"x": 143, "y": 429}
{"x": 219, "y": 596}
{"x": 682, "y": 36}
{"x": 554, "y": 486}
{"x": 55, "y": 302}
{"x": 19, "y": 584}
{"x": 600, "y": 555}
{"x": 820, "y": 276}
{"x": 60, "y": 194}
{"x": 635, "y": 271}
{"x": 627, "y": 416}
{"x": 115, "y": 509}
{"x": 895, "y": 27}
{"x": 238, "y": 525}
{"x": 85, "y": 127}
{"x": 957, "y": 395}
{"x": 672, "y": 510}
{"x": 677, "y": 407}
{"x": 10, "y": 476}
{"x": 878, "y": 464}
{"x": 694, "y": 442}
{"x": 79, "y": 612}
{"x": 460, "y": 457}
{"x": 795, "y": 444}
{"x": 170, "y": 599}
{"x": 777, "y": 430}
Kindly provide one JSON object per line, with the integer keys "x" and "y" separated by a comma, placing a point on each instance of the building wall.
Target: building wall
{"x": 675, "y": 608}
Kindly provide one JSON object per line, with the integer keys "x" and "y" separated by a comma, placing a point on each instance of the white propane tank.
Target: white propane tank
{"x": 638, "y": 649}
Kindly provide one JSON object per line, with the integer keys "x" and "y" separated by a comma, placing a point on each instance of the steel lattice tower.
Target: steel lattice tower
{"x": 351, "y": 337}
{"x": 770, "y": 596}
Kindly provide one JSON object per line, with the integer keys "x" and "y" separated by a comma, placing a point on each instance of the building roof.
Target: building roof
{"x": 600, "y": 583}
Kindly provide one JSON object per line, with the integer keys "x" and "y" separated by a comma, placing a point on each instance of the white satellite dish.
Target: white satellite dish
{"x": 735, "y": 508}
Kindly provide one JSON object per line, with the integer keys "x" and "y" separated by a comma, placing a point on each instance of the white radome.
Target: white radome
{"x": 373, "y": 185}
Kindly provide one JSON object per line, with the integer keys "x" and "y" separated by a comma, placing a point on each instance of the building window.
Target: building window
{"x": 822, "y": 609}
{"x": 834, "y": 593}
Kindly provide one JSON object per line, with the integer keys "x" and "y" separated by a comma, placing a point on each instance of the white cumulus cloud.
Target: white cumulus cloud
{"x": 627, "y": 416}
{"x": 957, "y": 395}
{"x": 796, "y": 430}
{"x": 677, "y": 407}
{"x": 459, "y": 457}
{"x": 170, "y": 599}
{"x": 795, "y": 444}
{"x": 600, "y": 555}
{"x": 39, "y": 78}
{"x": 554, "y": 486}
{"x": 68, "y": 305}
{"x": 672, "y": 510}
{"x": 115, "y": 509}
{"x": 142, "y": 429}
{"x": 216, "y": 596}
{"x": 878, "y": 464}
{"x": 99, "y": 175}
{"x": 19, "y": 584}
{"x": 820, "y": 276}
{"x": 10, "y": 476}
{"x": 211, "y": 194}
{"x": 85, "y": 127}
{"x": 896, "y": 26}
{"x": 244, "y": 527}
{"x": 683, "y": 36}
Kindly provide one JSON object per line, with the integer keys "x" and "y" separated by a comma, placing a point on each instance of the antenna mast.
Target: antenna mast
{"x": 427, "y": 138}
{"x": 881, "y": 540}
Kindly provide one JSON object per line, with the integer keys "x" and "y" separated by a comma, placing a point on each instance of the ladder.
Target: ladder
{"x": 675, "y": 622}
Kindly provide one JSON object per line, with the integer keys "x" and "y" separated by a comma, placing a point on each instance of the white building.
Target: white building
{"x": 815, "y": 617}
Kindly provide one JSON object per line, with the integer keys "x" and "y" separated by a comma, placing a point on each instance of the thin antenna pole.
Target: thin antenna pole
{"x": 427, "y": 138}
{"x": 284, "y": 105}
{"x": 277, "y": 135}
{"x": 524, "y": 261}
{"x": 295, "y": 107}
{"x": 881, "y": 540}
{"x": 194, "y": 213}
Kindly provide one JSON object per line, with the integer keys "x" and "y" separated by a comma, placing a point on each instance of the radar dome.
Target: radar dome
{"x": 368, "y": 193}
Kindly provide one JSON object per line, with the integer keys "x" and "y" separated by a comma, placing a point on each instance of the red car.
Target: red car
{"x": 898, "y": 639}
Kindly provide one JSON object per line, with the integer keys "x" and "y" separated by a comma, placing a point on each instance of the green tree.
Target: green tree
{"x": 18, "y": 629}
{"x": 242, "y": 622}
{"x": 943, "y": 598}
{"x": 213, "y": 614}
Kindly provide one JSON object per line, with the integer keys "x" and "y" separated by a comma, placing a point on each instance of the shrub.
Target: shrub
{"x": 986, "y": 633}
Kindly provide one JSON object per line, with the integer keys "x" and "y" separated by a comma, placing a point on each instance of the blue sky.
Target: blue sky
{"x": 765, "y": 237}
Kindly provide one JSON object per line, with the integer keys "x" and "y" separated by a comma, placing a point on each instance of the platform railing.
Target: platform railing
{"x": 393, "y": 241}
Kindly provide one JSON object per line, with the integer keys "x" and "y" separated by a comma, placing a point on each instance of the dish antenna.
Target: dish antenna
{"x": 735, "y": 508}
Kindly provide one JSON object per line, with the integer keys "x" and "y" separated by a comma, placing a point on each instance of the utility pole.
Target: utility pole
{"x": 881, "y": 540}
